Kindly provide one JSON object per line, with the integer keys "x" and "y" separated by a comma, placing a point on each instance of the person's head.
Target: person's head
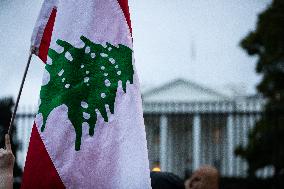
{"x": 165, "y": 180}
{"x": 206, "y": 177}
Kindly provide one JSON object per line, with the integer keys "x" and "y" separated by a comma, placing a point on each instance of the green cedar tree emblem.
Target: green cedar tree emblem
{"x": 86, "y": 81}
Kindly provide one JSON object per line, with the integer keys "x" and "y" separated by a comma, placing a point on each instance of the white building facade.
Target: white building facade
{"x": 189, "y": 125}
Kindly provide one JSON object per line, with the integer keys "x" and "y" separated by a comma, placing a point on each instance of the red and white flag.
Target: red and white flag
{"x": 89, "y": 131}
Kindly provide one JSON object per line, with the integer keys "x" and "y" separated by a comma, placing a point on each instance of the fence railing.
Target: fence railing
{"x": 183, "y": 136}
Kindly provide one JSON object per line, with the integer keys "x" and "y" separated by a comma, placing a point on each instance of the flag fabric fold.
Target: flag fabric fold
{"x": 89, "y": 131}
{"x": 42, "y": 33}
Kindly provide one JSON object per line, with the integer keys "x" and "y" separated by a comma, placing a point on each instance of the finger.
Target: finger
{"x": 2, "y": 152}
{"x": 8, "y": 143}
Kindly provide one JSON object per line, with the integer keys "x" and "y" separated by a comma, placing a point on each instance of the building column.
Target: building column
{"x": 230, "y": 145}
{"x": 196, "y": 141}
{"x": 163, "y": 142}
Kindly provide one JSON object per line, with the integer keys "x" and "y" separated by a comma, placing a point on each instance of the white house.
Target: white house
{"x": 189, "y": 125}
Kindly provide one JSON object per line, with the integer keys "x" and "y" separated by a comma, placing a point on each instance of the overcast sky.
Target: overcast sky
{"x": 194, "y": 39}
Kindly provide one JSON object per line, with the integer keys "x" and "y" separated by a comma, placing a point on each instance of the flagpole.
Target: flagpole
{"x": 32, "y": 51}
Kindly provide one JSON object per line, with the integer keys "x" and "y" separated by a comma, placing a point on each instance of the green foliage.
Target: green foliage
{"x": 267, "y": 42}
{"x": 86, "y": 81}
{"x": 266, "y": 140}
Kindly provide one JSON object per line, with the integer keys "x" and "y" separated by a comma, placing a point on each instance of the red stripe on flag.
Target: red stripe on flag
{"x": 124, "y": 6}
{"x": 39, "y": 170}
{"x": 46, "y": 38}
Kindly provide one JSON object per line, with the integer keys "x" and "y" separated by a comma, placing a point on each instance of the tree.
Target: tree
{"x": 266, "y": 140}
{"x": 6, "y": 105}
{"x": 89, "y": 91}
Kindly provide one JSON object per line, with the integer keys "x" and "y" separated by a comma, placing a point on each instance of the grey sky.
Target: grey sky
{"x": 166, "y": 34}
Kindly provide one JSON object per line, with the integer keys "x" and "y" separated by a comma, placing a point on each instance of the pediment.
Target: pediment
{"x": 181, "y": 90}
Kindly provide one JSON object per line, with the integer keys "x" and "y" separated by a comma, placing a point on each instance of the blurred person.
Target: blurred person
{"x": 206, "y": 177}
{"x": 7, "y": 161}
{"x": 165, "y": 180}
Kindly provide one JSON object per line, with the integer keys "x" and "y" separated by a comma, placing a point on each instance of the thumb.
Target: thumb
{"x": 8, "y": 143}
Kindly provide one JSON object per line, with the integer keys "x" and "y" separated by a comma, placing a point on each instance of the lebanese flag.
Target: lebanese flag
{"x": 89, "y": 131}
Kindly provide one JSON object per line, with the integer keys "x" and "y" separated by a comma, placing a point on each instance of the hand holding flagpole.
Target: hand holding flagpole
{"x": 32, "y": 51}
{"x": 7, "y": 160}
